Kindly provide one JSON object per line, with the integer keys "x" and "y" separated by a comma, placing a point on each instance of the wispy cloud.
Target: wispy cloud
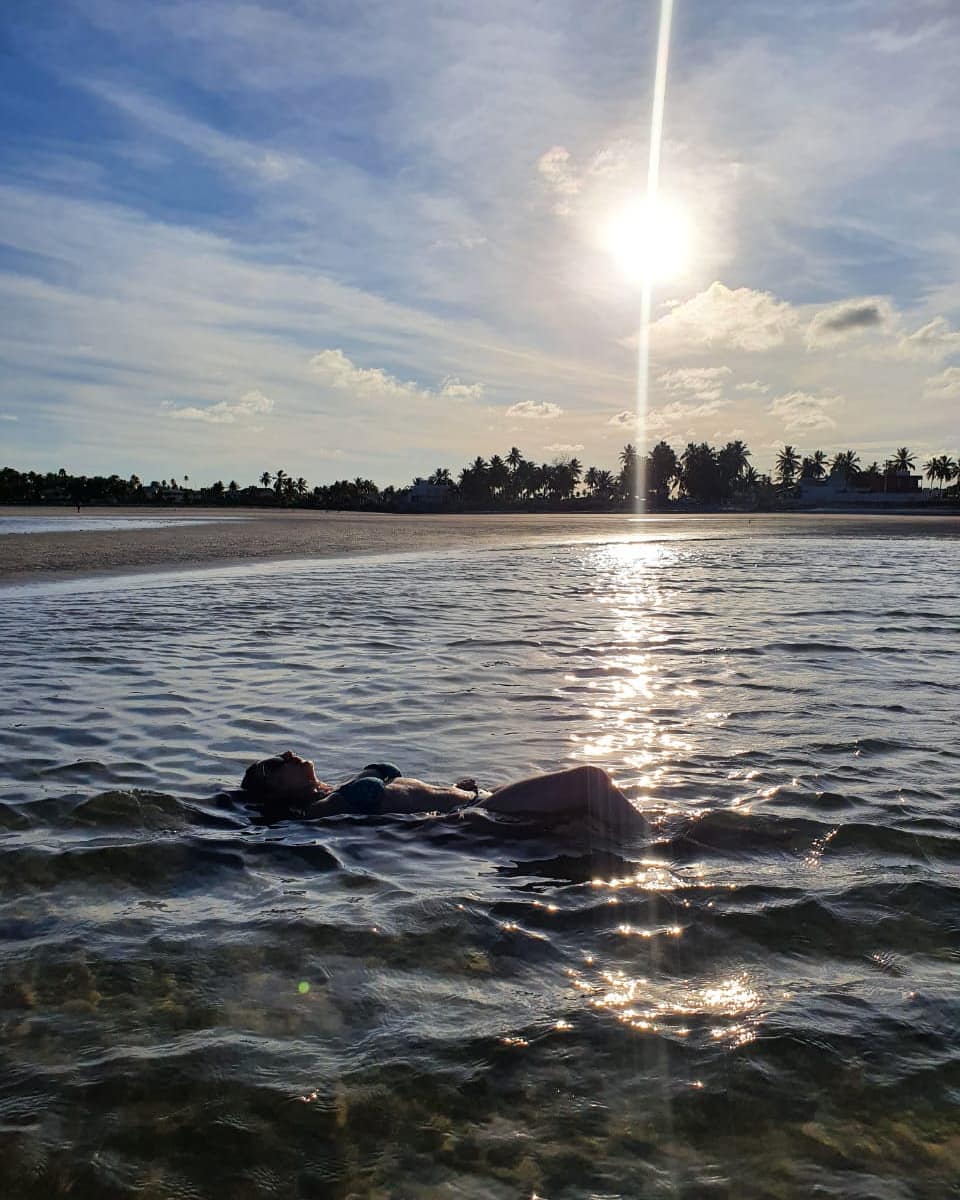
{"x": 534, "y": 410}
{"x": 936, "y": 339}
{"x": 251, "y": 405}
{"x": 945, "y": 386}
{"x": 704, "y": 383}
{"x": 801, "y": 412}
{"x": 372, "y": 385}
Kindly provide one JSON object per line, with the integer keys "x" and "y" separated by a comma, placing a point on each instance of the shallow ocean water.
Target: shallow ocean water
{"x": 68, "y": 522}
{"x": 755, "y": 997}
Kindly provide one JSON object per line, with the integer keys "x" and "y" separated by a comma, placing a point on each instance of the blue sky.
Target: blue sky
{"x": 366, "y": 238}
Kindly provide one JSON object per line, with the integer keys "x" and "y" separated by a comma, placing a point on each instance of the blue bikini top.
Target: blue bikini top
{"x": 363, "y": 794}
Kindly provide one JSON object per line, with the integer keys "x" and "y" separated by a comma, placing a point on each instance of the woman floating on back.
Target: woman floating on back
{"x": 287, "y": 786}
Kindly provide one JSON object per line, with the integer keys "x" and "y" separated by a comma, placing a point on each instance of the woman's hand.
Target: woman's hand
{"x": 468, "y": 784}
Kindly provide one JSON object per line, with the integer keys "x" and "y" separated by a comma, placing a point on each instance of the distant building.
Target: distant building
{"x": 892, "y": 487}
{"x": 259, "y": 495}
{"x": 429, "y": 495}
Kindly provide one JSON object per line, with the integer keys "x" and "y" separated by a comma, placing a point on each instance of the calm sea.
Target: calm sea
{"x": 757, "y": 996}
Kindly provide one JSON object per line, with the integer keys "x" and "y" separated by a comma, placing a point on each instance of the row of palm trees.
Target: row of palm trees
{"x": 701, "y": 473}
{"x": 791, "y": 466}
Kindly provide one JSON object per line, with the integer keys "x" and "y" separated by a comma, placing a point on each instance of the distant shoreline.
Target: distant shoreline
{"x": 218, "y": 538}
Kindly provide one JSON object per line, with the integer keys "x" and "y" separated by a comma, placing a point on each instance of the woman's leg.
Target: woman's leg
{"x": 579, "y": 791}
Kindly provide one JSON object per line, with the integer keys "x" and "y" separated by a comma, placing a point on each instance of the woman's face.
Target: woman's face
{"x": 288, "y": 773}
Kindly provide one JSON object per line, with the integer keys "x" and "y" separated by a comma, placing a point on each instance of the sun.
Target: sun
{"x": 651, "y": 242}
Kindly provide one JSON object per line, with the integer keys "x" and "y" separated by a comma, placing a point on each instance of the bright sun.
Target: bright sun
{"x": 650, "y": 243}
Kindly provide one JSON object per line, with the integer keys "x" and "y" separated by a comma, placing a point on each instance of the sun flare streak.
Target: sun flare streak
{"x": 653, "y": 188}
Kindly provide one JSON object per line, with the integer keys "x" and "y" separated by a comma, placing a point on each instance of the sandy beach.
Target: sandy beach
{"x": 210, "y": 537}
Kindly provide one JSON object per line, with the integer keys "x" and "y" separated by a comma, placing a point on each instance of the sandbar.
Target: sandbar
{"x": 211, "y": 537}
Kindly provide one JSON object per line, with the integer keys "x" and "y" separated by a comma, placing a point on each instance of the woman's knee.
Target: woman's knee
{"x": 593, "y": 778}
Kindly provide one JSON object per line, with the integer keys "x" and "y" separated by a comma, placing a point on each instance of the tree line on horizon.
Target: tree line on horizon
{"x": 701, "y": 474}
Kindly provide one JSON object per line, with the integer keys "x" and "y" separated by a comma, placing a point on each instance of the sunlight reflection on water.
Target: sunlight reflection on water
{"x": 490, "y": 1009}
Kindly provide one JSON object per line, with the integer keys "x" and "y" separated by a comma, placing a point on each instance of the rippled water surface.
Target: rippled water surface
{"x": 756, "y": 997}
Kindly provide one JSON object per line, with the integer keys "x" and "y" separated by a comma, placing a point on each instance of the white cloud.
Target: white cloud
{"x": 705, "y": 383}
{"x": 534, "y": 410}
{"x": 936, "y": 339}
{"x": 8, "y": 417}
{"x": 566, "y": 181}
{"x": 802, "y": 411}
{"x": 737, "y": 318}
{"x": 373, "y": 385}
{"x": 848, "y": 319}
{"x": 754, "y": 387}
{"x": 564, "y": 447}
{"x": 225, "y": 412}
{"x": 677, "y": 411}
{"x": 945, "y": 386}
{"x": 679, "y": 420}
{"x": 453, "y": 389}
{"x": 625, "y": 420}
{"x": 462, "y": 242}
{"x": 556, "y": 170}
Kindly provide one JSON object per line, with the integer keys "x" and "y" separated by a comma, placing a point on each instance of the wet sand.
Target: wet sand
{"x": 211, "y": 537}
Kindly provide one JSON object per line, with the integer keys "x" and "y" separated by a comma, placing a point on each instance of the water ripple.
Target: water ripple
{"x": 753, "y": 996}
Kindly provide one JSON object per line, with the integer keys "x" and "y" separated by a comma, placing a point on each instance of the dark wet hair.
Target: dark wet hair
{"x": 256, "y": 778}
{"x": 257, "y": 785}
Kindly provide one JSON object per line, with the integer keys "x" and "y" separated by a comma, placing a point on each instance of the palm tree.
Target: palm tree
{"x": 941, "y": 469}
{"x": 629, "y": 472}
{"x": 846, "y": 463}
{"x": 526, "y": 478}
{"x": 514, "y": 459}
{"x": 440, "y": 477}
{"x": 814, "y": 466}
{"x": 732, "y": 460}
{"x": 606, "y": 485}
{"x": 301, "y": 486}
{"x": 498, "y": 474}
{"x": 903, "y": 460}
{"x": 788, "y": 461}
{"x": 279, "y": 482}
{"x": 700, "y": 476}
{"x": 265, "y": 479}
{"x": 474, "y": 483}
{"x": 590, "y": 480}
{"x": 662, "y": 467}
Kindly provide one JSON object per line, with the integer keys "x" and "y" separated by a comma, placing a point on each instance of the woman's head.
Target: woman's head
{"x": 284, "y": 777}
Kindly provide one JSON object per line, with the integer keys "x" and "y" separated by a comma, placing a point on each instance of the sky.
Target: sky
{"x": 374, "y": 239}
